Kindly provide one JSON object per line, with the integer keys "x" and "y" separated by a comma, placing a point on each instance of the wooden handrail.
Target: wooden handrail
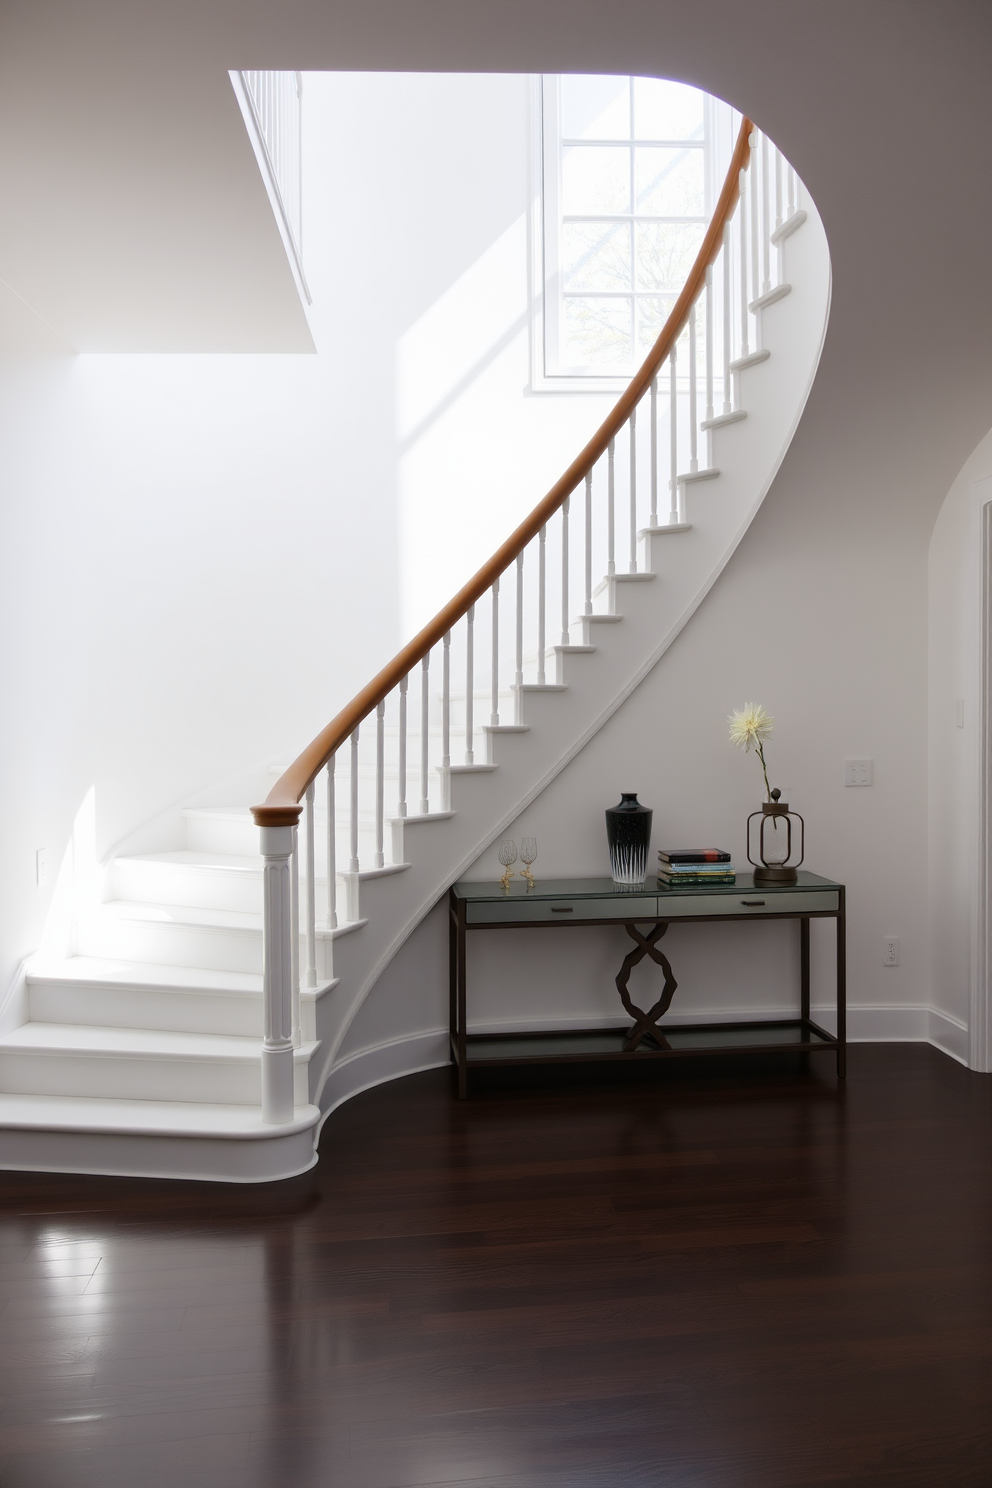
{"x": 281, "y": 807}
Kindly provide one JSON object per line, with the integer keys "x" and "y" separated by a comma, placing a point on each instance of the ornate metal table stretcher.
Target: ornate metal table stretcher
{"x": 646, "y": 914}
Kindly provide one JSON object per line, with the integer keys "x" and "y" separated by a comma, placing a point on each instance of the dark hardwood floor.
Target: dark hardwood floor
{"x": 737, "y": 1278}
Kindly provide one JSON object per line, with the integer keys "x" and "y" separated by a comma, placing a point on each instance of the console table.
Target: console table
{"x": 645, "y": 914}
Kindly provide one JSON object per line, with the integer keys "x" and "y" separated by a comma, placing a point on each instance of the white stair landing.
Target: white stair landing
{"x": 153, "y": 1139}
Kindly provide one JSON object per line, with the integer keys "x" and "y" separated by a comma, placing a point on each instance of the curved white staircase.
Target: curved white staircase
{"x": 142, "y": 1052}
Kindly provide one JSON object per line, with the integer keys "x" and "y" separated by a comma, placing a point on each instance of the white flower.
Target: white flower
{"x": 749, "y": 726}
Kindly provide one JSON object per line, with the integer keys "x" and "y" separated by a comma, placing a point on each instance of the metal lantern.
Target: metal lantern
{"x": 776, "y": 847}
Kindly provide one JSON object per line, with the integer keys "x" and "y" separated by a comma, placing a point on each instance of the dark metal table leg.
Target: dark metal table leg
{"x": 452, "y": 976}
{"x": 804, "y": 968}
{"x": 841, "y": 987}
{"x": 646, "y": 1023}
{"x": 462, "y": 975}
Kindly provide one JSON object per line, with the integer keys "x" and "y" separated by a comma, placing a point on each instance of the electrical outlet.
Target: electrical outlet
{"x": 891, "y": 948}
{"x": 41, "y": 866}
{"x": 858, "y": 772}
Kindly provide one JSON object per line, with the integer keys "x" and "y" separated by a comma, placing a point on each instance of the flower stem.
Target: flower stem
{"x": 764, "y": 768}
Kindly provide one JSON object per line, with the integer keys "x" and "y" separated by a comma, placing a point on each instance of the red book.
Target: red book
{"x": 693, "y": 855}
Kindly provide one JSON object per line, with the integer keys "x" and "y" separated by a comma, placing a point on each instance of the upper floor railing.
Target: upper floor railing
{"x": 275, "y": 104}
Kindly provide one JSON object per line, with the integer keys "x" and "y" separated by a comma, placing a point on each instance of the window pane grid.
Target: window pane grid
{"x": 628, "y": 228}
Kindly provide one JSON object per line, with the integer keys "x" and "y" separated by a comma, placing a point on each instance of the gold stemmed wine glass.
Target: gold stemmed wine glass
{"x": 528, "y": 853}
{"x": 507, "y": 856}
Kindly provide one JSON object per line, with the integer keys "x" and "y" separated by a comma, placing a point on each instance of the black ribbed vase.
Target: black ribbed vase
{"x": 628, "y": 831}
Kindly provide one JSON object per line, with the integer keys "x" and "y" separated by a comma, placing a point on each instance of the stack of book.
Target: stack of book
{"x": 678, "y": 866}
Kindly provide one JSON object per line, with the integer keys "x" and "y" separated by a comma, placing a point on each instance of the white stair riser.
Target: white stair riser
{"x": 238, "y": 1015}
{"x": 216, "y": 948}
{"x": 174, "y": 1156}
{"x": 235, "y": 835}
{"x": 148, "y": 882}
{"x": 145, "y": 1007}
{"x": 128, "y": 1077}
{"x": 207, "y": 947}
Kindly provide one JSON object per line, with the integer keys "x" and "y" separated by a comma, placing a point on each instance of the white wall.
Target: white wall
{"x": 204, "y": 557}
{"x": 955, "y": 617}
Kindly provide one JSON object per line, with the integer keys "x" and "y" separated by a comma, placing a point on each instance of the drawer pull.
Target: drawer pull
{"x": 753, "y": 903}
{"x": 561, "y": 908}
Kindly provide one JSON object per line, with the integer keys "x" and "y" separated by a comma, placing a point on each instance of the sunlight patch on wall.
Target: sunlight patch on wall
{"x": 461, "y": 359}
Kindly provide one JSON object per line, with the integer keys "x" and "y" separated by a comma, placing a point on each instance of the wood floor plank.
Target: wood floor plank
{"x": 732, "y": 1278}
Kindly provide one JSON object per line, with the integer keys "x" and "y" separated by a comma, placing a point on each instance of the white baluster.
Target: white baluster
{"x": 277, "y": 997}
{"x": 470, "y": 687}
{"x": 542, "y": 547}
{"x": 632, "y": 562}
{"x": 425, "y": 739}
{"x": 779, "y": 246}
{"x": 790, "y": 177}
{"x": 778, "y": 189}
{"x": 673, "y": 442}
{"x": 380, "y": 778}
{"x": 726, "y": 319}
{"x": 755, "y": 209}
{"x": 611, "y": 566}
{"x": 353, "y": 820}
{"x": 446, "y": 721}
{"x": 742, "y": 266}
{"x": 311, "y": 906}
{"x": 654, "y": 453}
{"x": 518, "y": 657}
{"x": 693, "y": 419}
{"x": 294, "y": 912}
{"x": 494, "y": 705}
{"x": 332, "y": 854}
{"x": 587, "y": 608}
{"x": 401, "y": 804}
{"x": 564, "y": 571}
{"x": 709, "y": 343}
{"x": 766, "y": 229}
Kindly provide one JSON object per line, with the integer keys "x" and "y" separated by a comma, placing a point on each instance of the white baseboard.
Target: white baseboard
{"x": 376, "y": 1065}
{"x": 949, "y": 1034}
{"x": 878, "y": 1023}
{"x": 883, "y": 1023}
{"x": 14, "y": 1005}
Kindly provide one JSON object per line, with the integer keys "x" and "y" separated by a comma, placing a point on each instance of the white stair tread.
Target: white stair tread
{"x": 149, "y": 1043}
{"x": 180, "y": 914}
{"x": 96, "y": 971}
{"x": 145, "y": 1118}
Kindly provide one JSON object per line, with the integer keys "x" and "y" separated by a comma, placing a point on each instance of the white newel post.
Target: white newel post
{"x": 277, "y": 973}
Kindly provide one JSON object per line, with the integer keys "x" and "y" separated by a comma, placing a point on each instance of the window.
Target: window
{"x": 629, "y": 166}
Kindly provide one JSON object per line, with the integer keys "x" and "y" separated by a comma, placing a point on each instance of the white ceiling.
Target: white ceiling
{"x": 135, "y": 218}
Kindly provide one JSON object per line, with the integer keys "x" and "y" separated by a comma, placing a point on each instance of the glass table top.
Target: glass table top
{"x": 605, "y": 888}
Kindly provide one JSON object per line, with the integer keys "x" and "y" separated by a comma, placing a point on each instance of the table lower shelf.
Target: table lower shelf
{"x": 786, "y": 1035}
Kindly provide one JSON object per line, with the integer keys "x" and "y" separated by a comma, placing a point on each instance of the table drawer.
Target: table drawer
{"x": 538, "y": 911}
{"x": 748, "y": 903}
